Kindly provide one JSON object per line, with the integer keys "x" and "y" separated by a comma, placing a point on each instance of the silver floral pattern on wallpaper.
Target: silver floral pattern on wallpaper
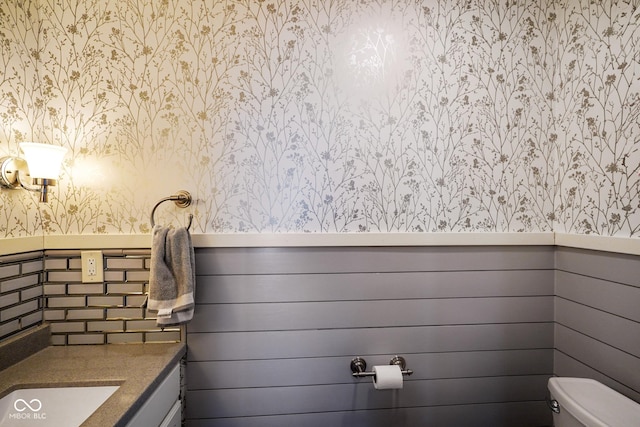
{"x": 326, "y": 115}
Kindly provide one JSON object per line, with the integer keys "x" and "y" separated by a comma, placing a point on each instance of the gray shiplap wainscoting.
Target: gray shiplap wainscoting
{"x": 598, "y": 318}
{"x": 275, "y": 329}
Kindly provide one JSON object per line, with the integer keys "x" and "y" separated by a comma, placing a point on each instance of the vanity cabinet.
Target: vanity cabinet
{"x": 163, "y": 408}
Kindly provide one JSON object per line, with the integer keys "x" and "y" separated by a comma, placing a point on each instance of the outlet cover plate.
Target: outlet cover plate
{"x": 92, "y": 266}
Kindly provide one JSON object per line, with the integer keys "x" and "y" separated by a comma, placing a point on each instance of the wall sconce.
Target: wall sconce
{"x": 42, "y": 163}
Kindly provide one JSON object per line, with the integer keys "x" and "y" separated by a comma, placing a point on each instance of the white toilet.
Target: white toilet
{"x": 580, "y": 402}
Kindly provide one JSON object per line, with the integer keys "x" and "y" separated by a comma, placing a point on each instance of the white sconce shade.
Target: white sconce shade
{"x": 44, "y": 160}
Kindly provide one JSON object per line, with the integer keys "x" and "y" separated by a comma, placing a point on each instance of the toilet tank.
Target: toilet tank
{"x": 587, "y": 402}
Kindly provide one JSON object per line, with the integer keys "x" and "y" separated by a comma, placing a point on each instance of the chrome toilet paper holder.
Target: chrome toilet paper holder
{"x": 359, "y": 366}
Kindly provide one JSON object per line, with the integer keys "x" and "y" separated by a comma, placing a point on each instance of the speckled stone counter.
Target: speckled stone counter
{"x": 137, "y": 368}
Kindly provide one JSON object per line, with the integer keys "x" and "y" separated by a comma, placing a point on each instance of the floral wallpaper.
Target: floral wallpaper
{"x": 597, "y": 117}
{"x": 326, "y": 115}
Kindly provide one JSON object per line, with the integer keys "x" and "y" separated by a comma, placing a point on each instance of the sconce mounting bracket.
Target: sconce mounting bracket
{"x": 13, "y": 171}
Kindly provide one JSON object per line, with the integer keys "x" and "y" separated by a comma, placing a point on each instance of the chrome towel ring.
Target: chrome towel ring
{"x": 182, "y": 199}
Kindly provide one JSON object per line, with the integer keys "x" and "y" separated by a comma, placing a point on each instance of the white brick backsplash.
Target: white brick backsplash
{"x": 114, "y": 276}
{"x": 105, "y": 301}
{"x": 9, "y": 328}
{"x": 20, "y": 292}
{"x": 66, "y": 327}
{"x": 9, "y": 299}
{"x": 64, "y": 276}
{"x": 125, "y": 288}
{"x": 124, "y": 313}
{"x": 85, "y": 313}
{"x": 51, "y": 315}
{"x": 55, "y": 289}
{"x": 105, "y": 326}
{"x": 86, "y": 288}
{"x": 59, "y": 302}
{"x": 166, "y": 336}
{"x": 137, "y": 276}
{"x": 142, "y": 325}
{"x": 135, "y": 300}
{"x": 18, "y": 310}
{"x": 85, "y": 339}
{"x": 58, "y": 340}
{"x": 47, "y": 286}
{"x": 30, "y": 293}
{"x": 125, "y": 263}
{"x": 75, "y": 263}
{"x": 20, "y": 282}
{"x": 32, "y": 267}
{"x": 31, "y": 319}
{"x": 125, "y": 338}
{"x": 9, "y": 270}
{"x": 56, "y": 264}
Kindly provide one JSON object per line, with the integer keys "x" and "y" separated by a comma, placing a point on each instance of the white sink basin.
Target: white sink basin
{"x": 53, "y": 406}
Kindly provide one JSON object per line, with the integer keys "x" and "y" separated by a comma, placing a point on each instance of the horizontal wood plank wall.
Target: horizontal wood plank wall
{"x": 275, "y": 329}
{"x": 598, "y": 318}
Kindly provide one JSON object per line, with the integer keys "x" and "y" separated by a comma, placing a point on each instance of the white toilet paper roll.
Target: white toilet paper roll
{"x": 387, "y": 377}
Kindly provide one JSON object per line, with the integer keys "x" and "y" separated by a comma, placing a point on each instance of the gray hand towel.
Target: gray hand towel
{"x": 172, "y": 276}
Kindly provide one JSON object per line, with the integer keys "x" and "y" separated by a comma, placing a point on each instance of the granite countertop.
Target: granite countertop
{"x": 137, "y": 368}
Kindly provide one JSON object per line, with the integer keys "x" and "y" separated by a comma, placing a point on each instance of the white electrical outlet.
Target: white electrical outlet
{"x": 92, "y": 266}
